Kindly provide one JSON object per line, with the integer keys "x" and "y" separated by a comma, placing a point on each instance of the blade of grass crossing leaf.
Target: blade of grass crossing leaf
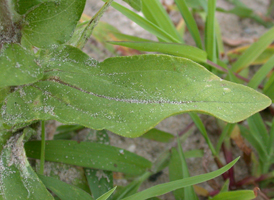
{"x": 210, "y": 36}
{"x": 235, "y": 195}
{"x": 168, "y": 187}
{"x": 190, "y": 22}
{"x": 226, "y": 131}
{"x": 92, "y": 23}
{"x": 64, "y": 190}
{"x": 158, "y": 135}
{"x": 198, "y": 122}
{"x": 107, "y": 194}
{"x": 144, "y": 23}
{"x": 181, "y": 50}
{"x": 188, "y": 191}
{"x": 261, "y": 73}
{"x": 155, "y": 12}
{"x": 254, "y": 51}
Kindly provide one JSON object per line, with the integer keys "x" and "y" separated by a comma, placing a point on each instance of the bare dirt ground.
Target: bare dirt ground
{"x": 233, "y": 29}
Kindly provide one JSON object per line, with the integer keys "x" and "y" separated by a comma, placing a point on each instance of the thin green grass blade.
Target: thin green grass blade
{"x": 210, "y": 36}
{"x": 107, "y": 194}
{"x": 90, "y": 155}
{"x": 155, "y": 12}
{"x": 136, "y": 4}
{"x": 235, "y": 195}
{"x": 226, "y": 131}
{"x": 257, "y": 127}
{"x": 181, "y": 50}
{"x": 261, "y": 73}
{"x": 190, "y": 22}
{"x": 219, "y": 38}
{"x": 168, "y": 187}
{"x": 271, "y": 139}
{"x": 254, "y": 51}
{"x": 188, "y": 191}
{"x": 144, "y": 23}
{"x": 64, "y": 190}
{"x": 269, "y": 87}
{"x": 198, "y": 122}
{"x": 225, "y": 187}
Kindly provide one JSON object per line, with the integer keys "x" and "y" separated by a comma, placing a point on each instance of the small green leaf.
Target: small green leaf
{"x": 107, "y": 194}
{"x": 90, "y": 155}
{"x": 235, "y": 195}
{"x": 127, "y": 95}
{"x": 18, "y": 66}
{"x": 136, "y": 4}
{"x": 64, "y": 190}
{"x": 181, "y": 50}
{"x": 157, "y": 135}
{"x": 17, "y": 178}
{"x": 52, "y": 23}
{"x": 173, "y": 185}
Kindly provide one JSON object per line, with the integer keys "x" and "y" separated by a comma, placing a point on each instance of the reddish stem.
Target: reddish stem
{"x": 229, "y": 158}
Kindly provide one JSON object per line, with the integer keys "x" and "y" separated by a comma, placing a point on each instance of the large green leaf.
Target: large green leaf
{"x": 18, "y": 66}
{"x": 52, "y": 23}
{"x": 64, "y": 190}
{"x": 127, "y": 95}
{"x": 173, "y": 185}
{"x": 235, "y": 195}
{"x": 17, "y": 179}
{"x": 22, "y": 6}
{"x": 91, "y": 155}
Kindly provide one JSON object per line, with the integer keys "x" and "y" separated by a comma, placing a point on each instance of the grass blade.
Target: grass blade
{"x": 64, "y": 190}
{"x": 155, "y": 12}
{"x": 210, "y": 36}
{"x": 103, "y": 157}
{"x": 254, "y": 51}
{"x": 158, "y": 135}
{"x": 269, "y": 87}
{"x": 226, "y": 131}
{"x": 168, "y": 187}
{"x": 235, "y": 195}
{"x": 190, "y": 22}
{"x": 261, "y": 73}
{"x": 181, "y": 50}
{"x": 144, "y": 23}
{"x": 107, "y": 194}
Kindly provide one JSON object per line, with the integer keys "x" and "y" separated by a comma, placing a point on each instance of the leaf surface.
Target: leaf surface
{"x": 52, "y": 23}
{"x": 18, "y": 66}
{"x": 127, "y": 95}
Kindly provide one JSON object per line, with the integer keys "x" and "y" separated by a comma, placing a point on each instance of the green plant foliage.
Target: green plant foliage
{"x": 136, "y": 4}
{"x": 143, "y": 99}
{"x": 64, "y": 190}
{"x": 18, "y": 66}
{"x": 235, "y": 195}
{"x": 17, "y": 178}
{"x": 107, "y": 194}
{"x": 269, "y": 87}
{"x": 52, "y": 23}
{"x": 168, "y": 187}
{"x": 90, "y": 155}
{"x": 22, "y": 6}
{"x": 157, "y": 135}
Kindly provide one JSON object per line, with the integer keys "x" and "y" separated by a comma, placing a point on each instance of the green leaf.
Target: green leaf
{"x": 156, "y": 13}
{"x": 64, "y": 190}
{"x": 52, "y": 23}
{"x": 99, "y": 181}
{"x": 173, "y": 185}
{"x": 22, "y": 6}
{"x": 18, "y": 66}
{"x": 261, "y": 73}
{"x": 3, "y": 93}
{"x": 158, "y": 135}
{"x": 107, "y": 194}
{"x": 235, "y": 195}
{"x": 254, "y": 51}
{"x": 144, "y": 23}
{"x": 124, "y": 94}
{"x": 136, "y": 4}
{"x": 181, "y": 50}
{"x": 190, "y": 22}
{"x": 90, "y": 155}
{"x": 269, "y": 87}
{"x": 18, "y": 180}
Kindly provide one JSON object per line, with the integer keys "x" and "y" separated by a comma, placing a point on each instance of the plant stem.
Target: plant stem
{"x": 43, "y": 144}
